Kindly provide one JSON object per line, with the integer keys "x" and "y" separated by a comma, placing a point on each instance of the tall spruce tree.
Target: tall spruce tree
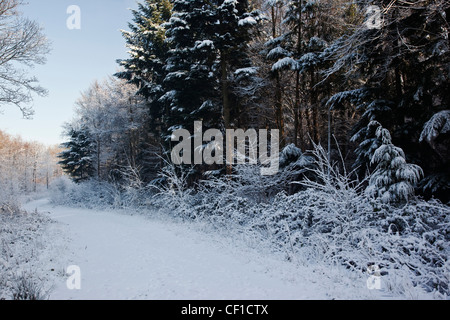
{"x": 232, "y": 34}
{"x": 302, "y": 51}
{"x": 191, "y": 84}
{"x": 78, "y": 158}
{"x": 148, "y": 53}
{"x": 208, "y": 55}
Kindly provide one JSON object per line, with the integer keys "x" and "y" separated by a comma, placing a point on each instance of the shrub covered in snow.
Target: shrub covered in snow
{"x": 21, "y": 245}
{"x": 332, "y": 220}
{"x": 8, "y": 196}
{"x": 90, "y": 194}
{"x": 97, "y": 194}
{"x": 312, "y": 210}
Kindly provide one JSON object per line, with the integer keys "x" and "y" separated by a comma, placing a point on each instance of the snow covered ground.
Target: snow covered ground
{"x": 124, "y": 256}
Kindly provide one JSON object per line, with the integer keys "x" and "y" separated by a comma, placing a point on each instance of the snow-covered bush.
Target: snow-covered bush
{"x": 21, "y": 244}
{"x": 26, "y": 287}
{"x": 409, "y": 244}
{"x": 129, "y": 194}
{"x": 8, "y": 200}
{"x": 333, "y": 221}
{"x": 89, "y": 194}
{"x": 328, "y": 204}
{"x": 9, "y": 191}
{"x": 171, "y": 192}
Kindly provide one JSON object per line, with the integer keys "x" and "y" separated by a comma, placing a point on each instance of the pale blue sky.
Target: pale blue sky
{"x": 78, "y": 58}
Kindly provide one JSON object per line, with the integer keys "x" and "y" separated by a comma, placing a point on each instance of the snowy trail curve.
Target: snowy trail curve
{"x": 132, "y": 257}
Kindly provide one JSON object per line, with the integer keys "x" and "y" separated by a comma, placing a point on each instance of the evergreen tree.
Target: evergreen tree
{"x": 78, "y": 158}
{"x": 207, "y": 60}
{"x": 232, "y": 34}
{"x": 272, "y": 52}
{"x": 190, "y": 84}
{"x": 286, "y": 49}
{"x": 436, "y": 136}
{"x": 149, "y": 51}
{"x": 400, "y": 63}
{"x": 366, "y": 128}
{"x": 302, "y": 50}
{"x": 393, "y": 180}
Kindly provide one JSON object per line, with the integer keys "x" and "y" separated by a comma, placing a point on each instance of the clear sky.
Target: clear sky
{"x": 78, "y": 57}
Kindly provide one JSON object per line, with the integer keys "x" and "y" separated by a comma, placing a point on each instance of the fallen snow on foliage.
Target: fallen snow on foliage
{"x": 30, "y": 244}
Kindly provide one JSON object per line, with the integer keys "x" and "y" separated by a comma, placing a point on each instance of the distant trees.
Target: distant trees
{"x": 24, "y": 166}
{"x": 22, "y": 45}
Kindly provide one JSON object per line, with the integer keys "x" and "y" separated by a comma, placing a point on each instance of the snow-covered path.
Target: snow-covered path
{"x": 132, "y": 257}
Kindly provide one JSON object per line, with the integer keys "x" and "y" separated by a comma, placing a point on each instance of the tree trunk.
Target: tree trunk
{"x": 226, "y": 107}
{"x": 315, "y": 109}
{"x": 278, "y": 90}
{"x": 98, "y": 158}
{"x": 279, "y": 109}
{"x": 296, "y": 107}
{"x": 225, "y": 94}
{"x": 297, "y": 78}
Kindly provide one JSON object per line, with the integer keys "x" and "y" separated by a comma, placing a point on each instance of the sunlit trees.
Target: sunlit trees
{"x": 114, "y": 119}
{"x": 25, "y": 166}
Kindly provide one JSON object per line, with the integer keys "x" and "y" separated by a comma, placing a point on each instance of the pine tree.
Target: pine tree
{"x": 394, "y": 179}
{"x": 78, "y": 158}
{"x": 401, "y": 63}
{"x": 272, "y": 52}
{"x": 302, "y": 51}
{"x": 286, "y": 49}
{"x": 436, "y": 135}
{"x": 190, "y": 84}
{"x": 232, "y": 34}
{"x": 366, "y": 128}
{"x": 207, "y": 60}
{"x": 149, "y": 51}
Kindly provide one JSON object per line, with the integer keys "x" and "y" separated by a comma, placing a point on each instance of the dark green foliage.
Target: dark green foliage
{"x": 78, "y": 158}
{"x": 405, "y": 65}
{"x": 149, "y": 51}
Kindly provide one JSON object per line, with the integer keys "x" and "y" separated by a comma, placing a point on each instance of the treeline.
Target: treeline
{"x": 25, "y": 166}
{"x": 368, "y": 79}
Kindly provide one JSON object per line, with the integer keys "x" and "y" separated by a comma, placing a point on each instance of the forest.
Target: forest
{"x": 358, "y": 92}
{"x": 369, "y": 86}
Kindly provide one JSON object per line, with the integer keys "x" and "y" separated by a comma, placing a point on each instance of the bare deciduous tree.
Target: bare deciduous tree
{"x": 22, "y": 46}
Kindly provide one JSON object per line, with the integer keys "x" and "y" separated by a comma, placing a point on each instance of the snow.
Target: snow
{"x": 250, "y": 71}
{"x": 437, "y": 125}
{"x": 247, "y": 21}
{"x": 285, "y": 63}
{"x": 277, "y": 53}
{"x": 125, "y": 256}
{"x": 204, "y": 43}
{"x": 170, "y": 95}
